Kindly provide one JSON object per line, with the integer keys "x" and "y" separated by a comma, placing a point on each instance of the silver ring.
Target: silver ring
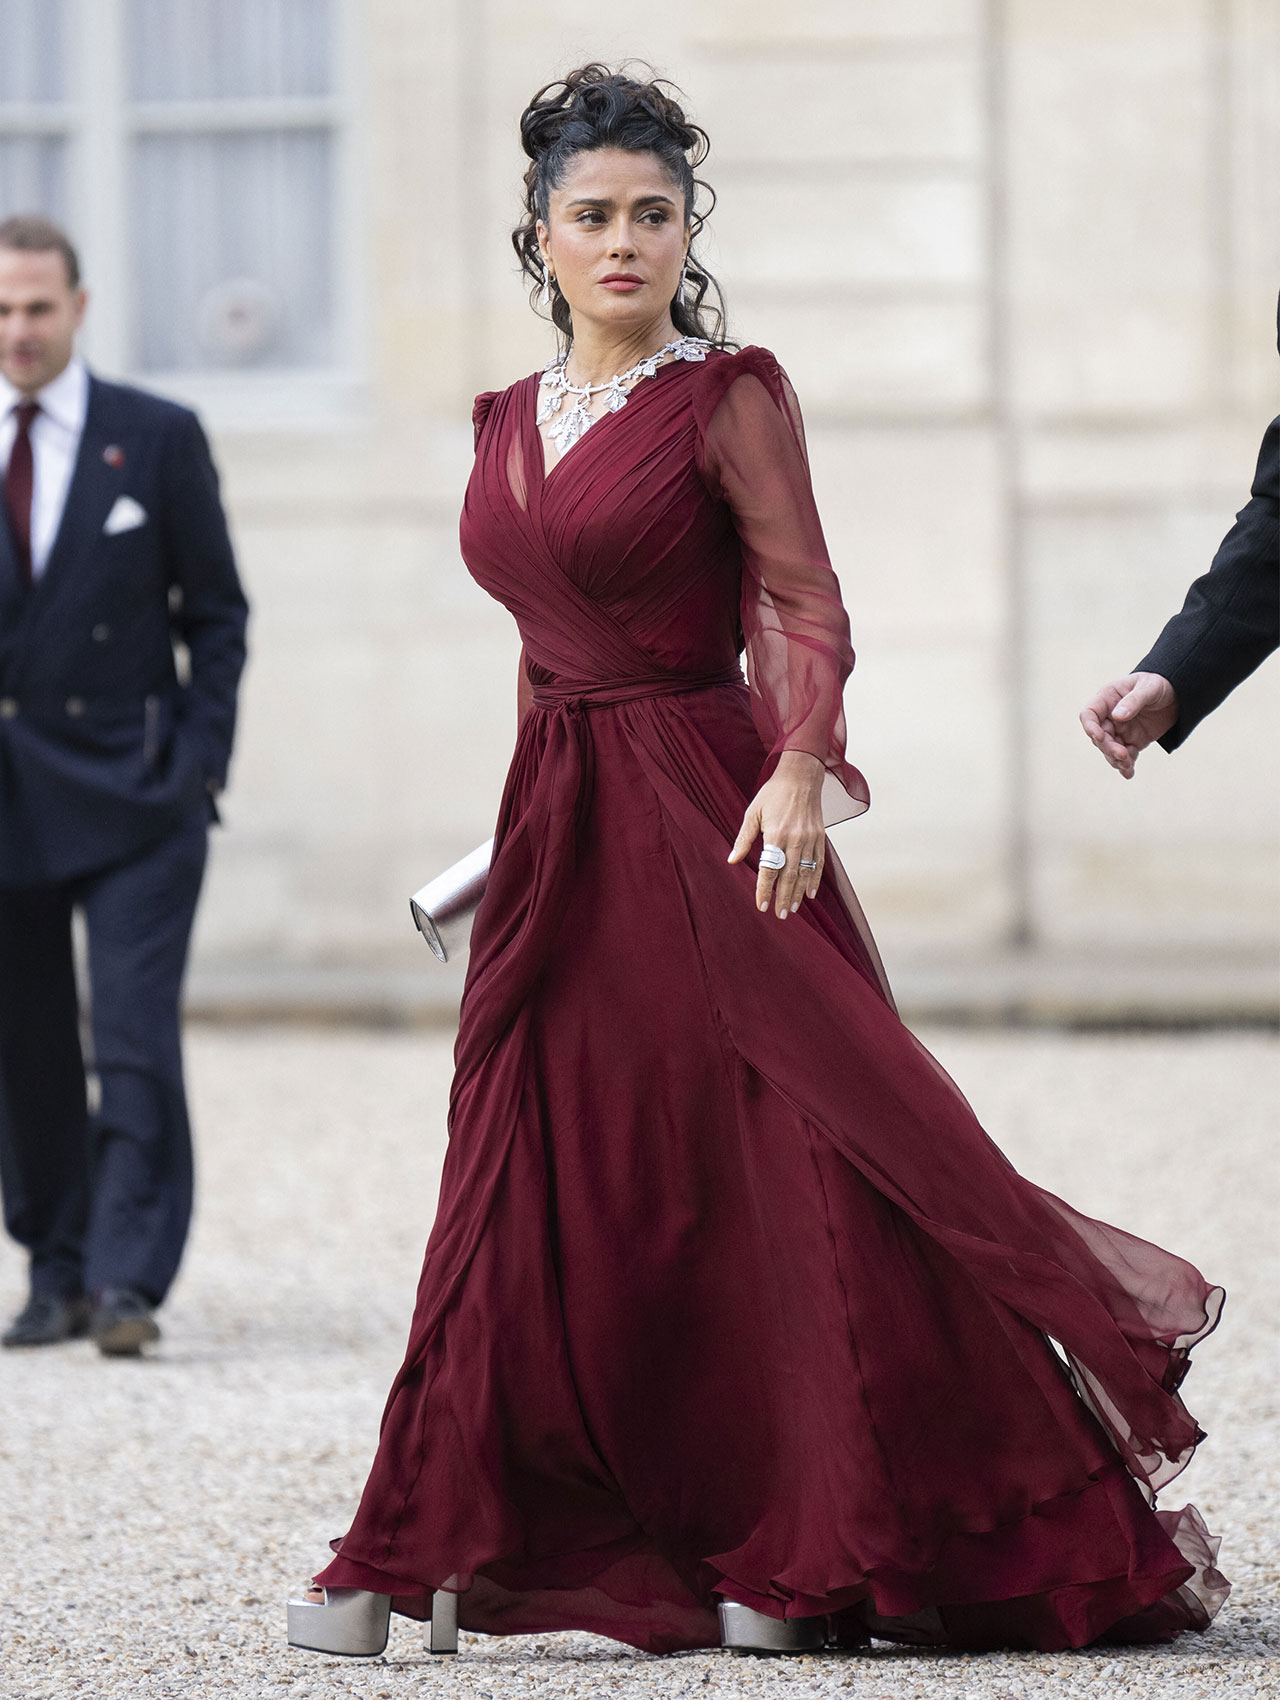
{"x": 773, "y": 856}
{"x": 805, "y": 864}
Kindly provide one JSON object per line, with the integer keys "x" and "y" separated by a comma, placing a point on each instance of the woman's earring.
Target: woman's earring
{"x": 686, "y": 284}
{"x": 544, "y": 299}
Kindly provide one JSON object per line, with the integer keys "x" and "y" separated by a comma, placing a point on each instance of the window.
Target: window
{"x": 196, "y": 151}
{"x": 35, "y": 117}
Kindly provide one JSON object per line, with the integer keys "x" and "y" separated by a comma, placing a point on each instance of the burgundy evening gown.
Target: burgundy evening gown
{"x": 728, "y": 1293}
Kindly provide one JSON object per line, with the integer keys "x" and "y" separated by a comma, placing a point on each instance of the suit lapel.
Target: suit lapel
{"x": 11, "y": 591}
{"x": 93, "y": 489}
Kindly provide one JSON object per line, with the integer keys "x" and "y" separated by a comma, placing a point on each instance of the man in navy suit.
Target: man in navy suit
{"x": 121, "y": 644}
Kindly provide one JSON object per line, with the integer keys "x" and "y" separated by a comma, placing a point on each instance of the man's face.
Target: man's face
{"x": 40, "y": 314}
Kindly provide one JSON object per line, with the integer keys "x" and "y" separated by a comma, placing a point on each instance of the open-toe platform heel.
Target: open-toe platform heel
{"x": 351, "y": 1621}
{"x": 745, "y": 1631}
{"x": 354, "y": 1623}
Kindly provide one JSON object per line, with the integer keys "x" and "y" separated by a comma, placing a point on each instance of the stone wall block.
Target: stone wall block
{"x": 1109, "y": 216}
{"x": 856, "y": 359}
{"x": 822, "y": 111}
{"x": 929, "y": 856}
{"x": 899, "y": 231}
{"x": 915, "y": 531}
{"x": 1251, "y": 52}
{"x": 756, "y": 25}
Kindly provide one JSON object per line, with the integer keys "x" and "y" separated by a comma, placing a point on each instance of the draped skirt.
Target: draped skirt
{"x": 728, "y": 1294}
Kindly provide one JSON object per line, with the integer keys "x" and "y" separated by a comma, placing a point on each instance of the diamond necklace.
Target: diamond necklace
{"x": 577, "y": 420}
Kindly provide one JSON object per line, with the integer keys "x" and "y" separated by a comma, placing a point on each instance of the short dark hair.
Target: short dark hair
{"x": 32, "y": 233}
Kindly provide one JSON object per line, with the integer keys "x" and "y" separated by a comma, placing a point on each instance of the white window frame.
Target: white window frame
{"x": 100, "y": 124}
{"x": 43, "y": 118}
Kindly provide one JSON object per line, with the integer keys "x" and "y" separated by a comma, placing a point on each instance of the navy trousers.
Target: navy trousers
{"x": 100, "y": 1197}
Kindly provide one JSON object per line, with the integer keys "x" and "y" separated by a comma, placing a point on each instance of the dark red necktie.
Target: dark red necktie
{"x": 19, "y": 479}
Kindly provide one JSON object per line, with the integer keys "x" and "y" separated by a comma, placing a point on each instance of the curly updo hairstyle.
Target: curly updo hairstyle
{"x": 595, "y": 107}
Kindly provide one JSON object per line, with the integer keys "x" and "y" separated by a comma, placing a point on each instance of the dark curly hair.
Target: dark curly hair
{"x": 595, "y": 107}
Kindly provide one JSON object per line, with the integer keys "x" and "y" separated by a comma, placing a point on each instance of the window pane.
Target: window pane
{"x": 33, "y": 38}
{"x": 33, "y": 176}
{"x": 229, "y": 49}
{"x": 232, "y": 246}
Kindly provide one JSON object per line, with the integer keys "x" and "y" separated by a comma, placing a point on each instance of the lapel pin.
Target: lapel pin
{"x": 113, "y": 454}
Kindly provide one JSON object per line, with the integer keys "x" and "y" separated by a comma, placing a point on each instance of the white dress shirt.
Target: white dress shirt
{"x": 55, "y": 442}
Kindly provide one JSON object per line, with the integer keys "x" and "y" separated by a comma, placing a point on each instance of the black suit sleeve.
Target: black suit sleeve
{"x": 1230, "y": 620}
{"x": 210, "y": 611}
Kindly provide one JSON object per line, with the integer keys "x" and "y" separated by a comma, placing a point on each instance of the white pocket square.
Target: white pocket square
{"x": 126, "y": 515}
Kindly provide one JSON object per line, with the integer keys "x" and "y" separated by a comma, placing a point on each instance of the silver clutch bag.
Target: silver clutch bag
{"x": 444, "y": 909}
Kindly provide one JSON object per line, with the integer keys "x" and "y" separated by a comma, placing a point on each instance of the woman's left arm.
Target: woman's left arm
{"x": 794, "y": 623}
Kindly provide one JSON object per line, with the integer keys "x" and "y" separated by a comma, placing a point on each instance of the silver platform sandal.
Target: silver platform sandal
{"x": 354, "y": 1622}
{"x": 745, "y": 1631}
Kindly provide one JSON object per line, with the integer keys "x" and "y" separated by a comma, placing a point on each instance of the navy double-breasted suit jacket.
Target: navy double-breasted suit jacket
{"x": 107, "y": 739}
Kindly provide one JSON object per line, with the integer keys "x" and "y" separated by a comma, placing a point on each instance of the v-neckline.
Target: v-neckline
{"x": 548, "y": 472}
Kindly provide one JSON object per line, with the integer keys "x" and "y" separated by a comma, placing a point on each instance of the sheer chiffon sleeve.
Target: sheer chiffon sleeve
{"x": 480, "y": 411}
{"x": 751, "y": 454}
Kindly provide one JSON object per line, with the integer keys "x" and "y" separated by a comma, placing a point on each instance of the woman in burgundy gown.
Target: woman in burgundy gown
{"x": 729, "y": 1298}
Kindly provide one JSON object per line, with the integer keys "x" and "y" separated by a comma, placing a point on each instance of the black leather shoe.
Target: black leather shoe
{"x": 47, "y": 1320}
{"x": 123, "y": 1323}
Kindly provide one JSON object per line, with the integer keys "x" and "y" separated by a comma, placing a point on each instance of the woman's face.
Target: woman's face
{"x": 616, "y": 238}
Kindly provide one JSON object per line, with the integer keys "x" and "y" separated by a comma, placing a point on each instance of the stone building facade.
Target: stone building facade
{"x": 1020, "y": 259}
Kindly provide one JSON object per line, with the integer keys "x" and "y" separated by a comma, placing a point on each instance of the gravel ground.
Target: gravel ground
{"x": 157, "y": 1514}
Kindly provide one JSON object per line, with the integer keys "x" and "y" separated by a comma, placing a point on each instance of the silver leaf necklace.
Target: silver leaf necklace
{"x": 576, "y": 421}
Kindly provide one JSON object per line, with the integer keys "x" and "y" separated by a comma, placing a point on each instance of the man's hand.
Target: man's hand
{"x": 1127, "y": 715}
